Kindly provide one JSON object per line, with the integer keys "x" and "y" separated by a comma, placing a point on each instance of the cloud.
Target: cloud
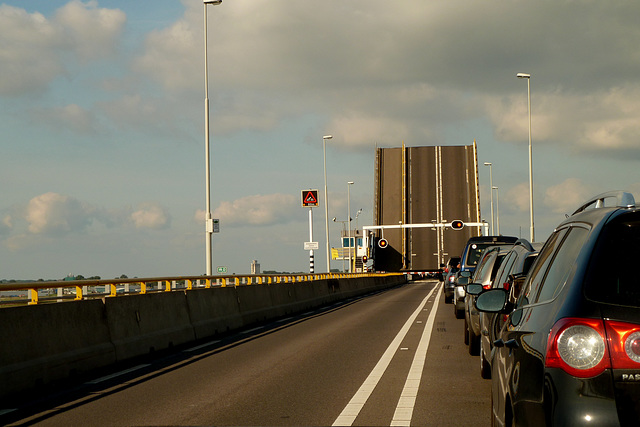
{"x": 36, "y": 50}
{"x": 91, "y": 32}
{"x": 151, "y": 216}
{"x": 517, "y": 197}
{"x": 566, "y": 196}
{"x": 604, "y": 120}
{"x": 56, "y": 214}
{"x": 257, "y": 210}
{"x": 71, "y": 117}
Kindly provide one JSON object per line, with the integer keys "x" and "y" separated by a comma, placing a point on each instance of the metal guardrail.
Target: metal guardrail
{"x": 87, "y": 289}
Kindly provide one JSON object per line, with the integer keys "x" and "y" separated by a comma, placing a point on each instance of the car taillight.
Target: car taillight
{"x": 624, "y": 344}
{"x": 452, "y": 279}
{"x": 578, "y": 347}
{"x": 486, "y": 286}
{"x": 506, "y": 286}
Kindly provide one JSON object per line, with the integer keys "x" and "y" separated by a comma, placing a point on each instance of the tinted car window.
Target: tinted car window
{"x": 562, "y": 264}
{"x": 539, "y": 268}
{"x": 505, "y": 268}
{"x": 610, "y": 277}
{"x": 475, "y": 250}
{"x": 485, "y": 264}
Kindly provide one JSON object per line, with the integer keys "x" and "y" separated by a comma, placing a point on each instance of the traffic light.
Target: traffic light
{"x": 364, "y": 259}
{"x": 457, "y": 224}
{"x": 382, "y": 243}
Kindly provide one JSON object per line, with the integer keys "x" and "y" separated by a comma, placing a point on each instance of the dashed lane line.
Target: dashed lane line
{"x": 353, "y": 408}
{"x": 407, "y": 401}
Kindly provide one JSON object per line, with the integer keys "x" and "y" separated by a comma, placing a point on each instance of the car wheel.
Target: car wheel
{"x": 459, "y": 312}
{"x": 466, "y": 332}
{"x": 474, "y": 343}
{"x": 485, "y": 367}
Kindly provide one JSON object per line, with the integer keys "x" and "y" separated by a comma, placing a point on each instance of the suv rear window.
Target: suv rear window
{"x": 474, "y": 252}
{"x": 610, "y": 277}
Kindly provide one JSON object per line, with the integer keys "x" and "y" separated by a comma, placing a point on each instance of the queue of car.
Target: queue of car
{"x": 556, "y": 326}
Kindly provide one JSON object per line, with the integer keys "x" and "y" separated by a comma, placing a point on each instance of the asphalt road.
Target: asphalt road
{"x": 384, "y": 359}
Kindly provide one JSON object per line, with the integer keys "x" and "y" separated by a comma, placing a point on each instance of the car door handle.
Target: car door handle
{"x": 512, "y": 343}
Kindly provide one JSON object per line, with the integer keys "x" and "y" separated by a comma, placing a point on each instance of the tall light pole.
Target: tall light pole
{"x": 208, "y": 220}
{"x": 349, "y": 184}
{"x": 528, "y": 77}
{"x": 497, "y": 208}
{"x": 326, "y": 199}
{"x": 491, "y": 192}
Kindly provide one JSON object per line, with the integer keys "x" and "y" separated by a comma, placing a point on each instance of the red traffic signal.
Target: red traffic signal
{"x": 364, "y": 259}
{"x": 457, "y": 224}
{"x": 382, "y": 243}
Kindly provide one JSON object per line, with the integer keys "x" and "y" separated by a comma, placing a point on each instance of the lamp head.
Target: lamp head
{"x": 523, "y": 76}
{"x": 488, "y": 163}
{"x": 326, "y": 136}
{"x": 214, "y": 2}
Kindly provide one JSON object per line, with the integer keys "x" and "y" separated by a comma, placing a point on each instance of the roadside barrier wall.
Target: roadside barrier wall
{"x": 42, "y": 344}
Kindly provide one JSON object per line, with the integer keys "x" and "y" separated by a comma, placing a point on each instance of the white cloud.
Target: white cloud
{"x": 151, "y": 215}
{"x": 516, "y": 198}
{"x": 566, "y": 196}
{"x": 258, "y": 210}
{"x": 56, "y": 214}
{"x": 36, "y": 50}
{"x": 90, "y": 31}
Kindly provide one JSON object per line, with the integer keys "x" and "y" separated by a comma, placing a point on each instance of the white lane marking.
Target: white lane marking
{"x": 6, "y": 411}
{"x": 117, "y": 374}
{"x": 353, "y": 408}
{"x": 407, "y": 401}
{"x": 196, "y": 348}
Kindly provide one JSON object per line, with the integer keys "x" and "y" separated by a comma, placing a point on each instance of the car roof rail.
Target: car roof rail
{"x": 623, "y": 200}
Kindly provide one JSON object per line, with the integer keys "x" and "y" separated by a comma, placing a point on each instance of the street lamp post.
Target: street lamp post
{"x": 326, "y": 199}
{"x": 491, "y": 192}
{"x": 349, "y": 184}
{"x": 497, "y": 208}
{"x": 528, "y": 77}
{"x": 208, "y": 220}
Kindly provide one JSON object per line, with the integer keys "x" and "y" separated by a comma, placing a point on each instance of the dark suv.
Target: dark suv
{"x": 469, "y": 259}
{"x": 569, "y": 353}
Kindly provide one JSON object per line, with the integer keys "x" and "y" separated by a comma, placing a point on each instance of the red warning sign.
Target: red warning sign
{"x": 309, "y": 198}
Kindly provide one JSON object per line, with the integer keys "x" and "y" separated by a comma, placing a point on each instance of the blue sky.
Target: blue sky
{"x": 102, "y": 112}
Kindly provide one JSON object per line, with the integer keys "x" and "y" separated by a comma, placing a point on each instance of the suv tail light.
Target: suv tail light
{"x": 624, "y": 344}
{"x": 578, "y": 347}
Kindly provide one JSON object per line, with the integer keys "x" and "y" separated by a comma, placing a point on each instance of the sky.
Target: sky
{"x": 102, "y": 115}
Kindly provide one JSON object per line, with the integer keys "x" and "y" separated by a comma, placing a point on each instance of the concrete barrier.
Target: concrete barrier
{"x": 44, "y": 343}
{"x": 141, "y": 324}
{"x": 50, "y": 342}
{"x": 214, "y": 311}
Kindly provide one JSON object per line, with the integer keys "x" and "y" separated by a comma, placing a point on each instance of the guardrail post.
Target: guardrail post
{"x": 33, "y": 294}
{"x": 143, "y": 287}
{"x": 112, "y": 290}
{"x": 78, "y": 293}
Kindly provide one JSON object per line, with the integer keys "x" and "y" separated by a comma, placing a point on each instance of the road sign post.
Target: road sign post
{"x": 310, "y": 200}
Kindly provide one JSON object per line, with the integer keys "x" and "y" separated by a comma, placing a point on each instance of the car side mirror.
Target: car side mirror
{"x": 492, "y": 301}
{"x": 474, "y": 288}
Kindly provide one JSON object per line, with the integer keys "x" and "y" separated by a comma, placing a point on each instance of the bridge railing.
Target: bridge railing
{"x": 56, "y": 291}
